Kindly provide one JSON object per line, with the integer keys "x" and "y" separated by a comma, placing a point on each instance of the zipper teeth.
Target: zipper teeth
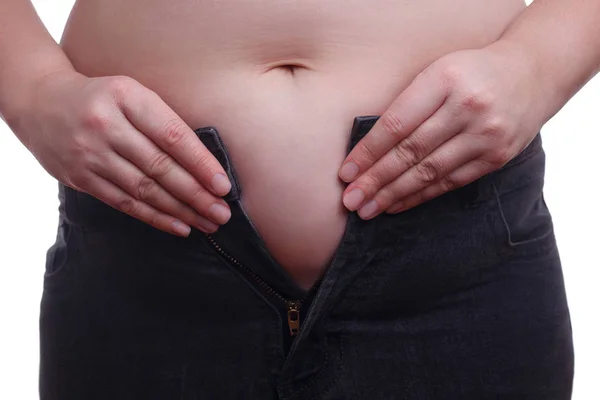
{"x": 256, "y": 278}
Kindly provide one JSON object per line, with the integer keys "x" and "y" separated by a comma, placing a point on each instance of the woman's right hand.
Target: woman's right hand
{"x": 120, "y": 142}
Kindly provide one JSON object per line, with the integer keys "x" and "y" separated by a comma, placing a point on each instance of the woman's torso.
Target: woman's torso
{"x": 223, "y": 63}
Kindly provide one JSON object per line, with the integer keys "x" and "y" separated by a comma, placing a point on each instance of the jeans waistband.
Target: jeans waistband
{"x": 239, "y": 234}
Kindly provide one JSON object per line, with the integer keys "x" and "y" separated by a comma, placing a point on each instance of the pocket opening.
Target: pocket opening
{"x": 539, "y": 235}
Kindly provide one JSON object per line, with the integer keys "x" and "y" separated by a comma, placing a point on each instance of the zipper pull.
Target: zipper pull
{"x": 293, "y": 314}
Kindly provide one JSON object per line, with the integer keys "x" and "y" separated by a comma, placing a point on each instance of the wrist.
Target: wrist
{"x": 529, "y": 68}
{"x": 20, "y": 101}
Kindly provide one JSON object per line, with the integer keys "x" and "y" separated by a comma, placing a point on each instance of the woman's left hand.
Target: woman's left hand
{"x": 467, "y": 114}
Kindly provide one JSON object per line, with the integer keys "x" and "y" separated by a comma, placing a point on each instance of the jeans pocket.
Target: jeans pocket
{"x": 521, "y": 218}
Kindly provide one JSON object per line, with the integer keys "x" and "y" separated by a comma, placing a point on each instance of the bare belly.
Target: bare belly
{"x": 282, "y": 82}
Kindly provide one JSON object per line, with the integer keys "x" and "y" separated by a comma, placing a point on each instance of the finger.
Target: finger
{"x": 117, "y": 198}
{"x": 145, "y": 189}
{"x": 158, "y": 165}
{"x": 426, "y": 93}
{"x": 444, "y": 124}
{"x": 450, "y": 156}
{"x": 149, "y": 114}
{"x": 459, "y": 178}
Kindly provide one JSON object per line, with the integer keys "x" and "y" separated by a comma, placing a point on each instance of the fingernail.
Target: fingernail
{"x": 368, "y": 210}
{"x": 353, "y": 199}
{"x": 180, "y": 228}
{"x": 349, "y": 171}
{"x": 396, "y": 208}
{"x": 205, "y": 225}
{"x": 220, "y": 213}
{"x": 220, "y": 184}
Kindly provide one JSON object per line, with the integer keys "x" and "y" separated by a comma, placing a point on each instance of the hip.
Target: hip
{"x": 460, "y": 297}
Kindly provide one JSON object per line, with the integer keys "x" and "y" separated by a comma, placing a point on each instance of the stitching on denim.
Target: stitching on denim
{"x": 334, "y": 285}
{"x": 494, "y": 174}
{"x": 313, "y": 380}
{"x": 504, "y": 222}
{"x": 514, "y": 189}
{"x": 515, "y": 247}
{"x": 342, "y": 363}
{"x": 243, "y": 279}
{"x": 525, "y": 155}
{"x": 257, "y": 238}
{"x": 274, "y": 324}
{"x": 365, "y": 286}
{"x": 342, "y": 359}
{"x": 338, "y": 373}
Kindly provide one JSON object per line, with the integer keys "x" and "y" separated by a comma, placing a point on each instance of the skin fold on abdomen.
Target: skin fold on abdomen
{"x": 282, "y": 82}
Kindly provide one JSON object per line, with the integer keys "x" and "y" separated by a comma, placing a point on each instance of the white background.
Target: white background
{"x": 28, "y": 215}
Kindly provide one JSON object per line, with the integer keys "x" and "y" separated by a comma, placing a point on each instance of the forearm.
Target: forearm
{"x": 27, "y": 53}
{"x": 561, "y": 38}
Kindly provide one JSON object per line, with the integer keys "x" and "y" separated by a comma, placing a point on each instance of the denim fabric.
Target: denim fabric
{"x": 461, "y": 297}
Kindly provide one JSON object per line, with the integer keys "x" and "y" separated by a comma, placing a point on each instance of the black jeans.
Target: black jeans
{"x": 461, "y": 297}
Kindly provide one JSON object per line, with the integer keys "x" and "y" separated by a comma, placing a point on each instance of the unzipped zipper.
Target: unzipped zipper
{"x": 293, "y": 306}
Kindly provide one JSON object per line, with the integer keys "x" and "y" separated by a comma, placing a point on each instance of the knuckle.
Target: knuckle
{"x": 495, "y": 126}
{"x": 199, "y": 197}
{"x": 498, "y": 157}
{"x": 450, "y": 75}
{"x": 120, "y": 85}
{"x": 367, "y": 154}
{"x": 79, "y": 178}
{"x": 427, "y": 171}
{"x": 432, "y": 126}
{"x": 202, "y": 160}
{"x": 448, "y": 184}
{"x": 385, "y": 196}
{"x": 127, "y": 205}
{"x": 408, "y": 152}
{"x": 155, "y": 220}
{"x": 477, "y": 101}
{"x": 144, "y": 188}
{"x": 393, "y": 124}
{"x": 420, "y": 197}
{"x": 174, "y": 132}
{"x": 371, "y": 183}
{"x": 160, "y": 165}
{"x": 414, "y": 148}
{"x": 95, "y": 118}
